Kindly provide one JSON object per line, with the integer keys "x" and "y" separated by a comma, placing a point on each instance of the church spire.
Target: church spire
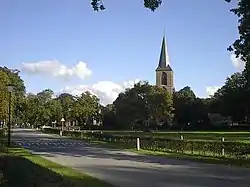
{"x": 164, "y": 57}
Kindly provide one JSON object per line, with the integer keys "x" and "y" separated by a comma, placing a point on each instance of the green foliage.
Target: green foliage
{"x": 86, "y": 108}
{"x": 143, "y": 107}
{"x": 241, "y": 46}
{"x": 230, "y": 99}
{"x": 190, "y": 111}
{"x": 11, "y": 76}
{"x": 4, "y": 80}
{"x": 150, "y": 4}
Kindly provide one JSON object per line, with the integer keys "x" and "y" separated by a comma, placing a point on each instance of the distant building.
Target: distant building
{"x": 164, "y": 73}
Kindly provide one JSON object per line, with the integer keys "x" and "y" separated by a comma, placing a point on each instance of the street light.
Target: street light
{"x": 10, "y": 89}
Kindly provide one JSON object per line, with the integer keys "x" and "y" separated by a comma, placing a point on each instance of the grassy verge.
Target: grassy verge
{"x": 22, "y": 168}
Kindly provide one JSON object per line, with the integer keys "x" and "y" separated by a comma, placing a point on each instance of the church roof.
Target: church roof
{"x": 164, "y": 58}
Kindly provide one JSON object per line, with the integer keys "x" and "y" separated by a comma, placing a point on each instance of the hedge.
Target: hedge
{"x": 197, "y": 147}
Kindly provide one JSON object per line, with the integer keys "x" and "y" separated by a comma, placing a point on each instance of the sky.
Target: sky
{"x": 66, "y": 46}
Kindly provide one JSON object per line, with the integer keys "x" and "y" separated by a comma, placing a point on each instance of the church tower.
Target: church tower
{"x": 164, "y": 73}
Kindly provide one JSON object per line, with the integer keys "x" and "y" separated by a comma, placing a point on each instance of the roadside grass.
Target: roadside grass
{"x": 22, "y": 168}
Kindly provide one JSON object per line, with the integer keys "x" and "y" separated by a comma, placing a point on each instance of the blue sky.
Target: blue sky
{"x": 121, "y": 43}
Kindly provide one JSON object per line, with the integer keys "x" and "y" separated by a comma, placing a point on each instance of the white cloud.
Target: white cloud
{"x": 210, "y": 90}
{"x": 106, "y": 91}
{"x": 56, "y": 69}
{"x": 237, "y": 62}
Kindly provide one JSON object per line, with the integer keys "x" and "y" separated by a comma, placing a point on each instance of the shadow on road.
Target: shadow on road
{"x": 19, "y": 171}
{"x": 172, "y": 177}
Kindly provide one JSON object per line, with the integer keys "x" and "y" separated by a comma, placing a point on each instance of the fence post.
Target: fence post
{"x": 223, "y": 150}
{"x": 181, "y": 137}
{"x": 81, "y": 135}
{"x": 138, "y": 144}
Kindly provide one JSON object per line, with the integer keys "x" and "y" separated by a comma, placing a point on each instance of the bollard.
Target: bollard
{"x": 81, "y": 135}
{"x": 138, "y": 144}
{"x": 222, "y": 150}
{"x": 61, "y": 133}
{"x": 181, "y": 137}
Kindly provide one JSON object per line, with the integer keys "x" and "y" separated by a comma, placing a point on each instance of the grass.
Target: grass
{"x": 22, "y": 168}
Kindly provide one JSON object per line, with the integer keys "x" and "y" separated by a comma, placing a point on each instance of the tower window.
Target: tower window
{"x": 164, "y": 79}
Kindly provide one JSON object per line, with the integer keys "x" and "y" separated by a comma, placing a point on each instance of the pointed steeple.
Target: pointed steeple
{"x": 164, "y": 57}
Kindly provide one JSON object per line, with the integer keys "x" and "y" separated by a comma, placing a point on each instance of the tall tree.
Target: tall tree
{"x": 143, "y": 107}
{"x": 4, "y": 80}
{"x": 190, "y": 111}
{"x": 86, "y": 109}
{"x": 67, "y": 100}
{"x": 241, "y": 46}
{"x": 230, "y": 100}
{"x": 18, "y": 93}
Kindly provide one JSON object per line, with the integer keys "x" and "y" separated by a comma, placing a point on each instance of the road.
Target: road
{"x": 125, "y": 169}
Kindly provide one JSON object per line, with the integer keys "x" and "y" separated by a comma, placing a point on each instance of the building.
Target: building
{"x": 164, "y": 73}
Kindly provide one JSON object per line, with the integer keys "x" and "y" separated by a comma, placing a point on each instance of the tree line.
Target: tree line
{"x": 143, "y": 107}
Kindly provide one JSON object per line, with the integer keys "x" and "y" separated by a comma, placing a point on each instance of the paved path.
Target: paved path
{"x": 126, "y": 169}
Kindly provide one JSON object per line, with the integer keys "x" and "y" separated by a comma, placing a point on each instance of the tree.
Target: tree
{"x": 18, "y": 93}
{"x": 108, "y": 116}
{"x": 190, "y": 111}
{"x": 54, "y": 110}
{"x": 45, "y": 95}
{"x": 230, "y": 100}
{"x": 241, "y": 46}
{"x": 67, "y": 100}
{"x": 151, "y": 4}
{"x": 86, "y": 109}
{"x": 143, "y": 107}
{"x": 4, "y": 80}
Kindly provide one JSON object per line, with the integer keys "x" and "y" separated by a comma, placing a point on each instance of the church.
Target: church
{"x": 164, "y": 73}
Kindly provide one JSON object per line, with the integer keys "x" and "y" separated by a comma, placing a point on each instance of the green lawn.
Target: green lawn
{"x": 21, "y": 168}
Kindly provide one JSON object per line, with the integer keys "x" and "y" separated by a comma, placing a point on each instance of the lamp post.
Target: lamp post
{"x": 10, "y": 90}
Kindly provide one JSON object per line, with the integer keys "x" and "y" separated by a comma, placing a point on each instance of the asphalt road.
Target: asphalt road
{"x": 127, "y": 169}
